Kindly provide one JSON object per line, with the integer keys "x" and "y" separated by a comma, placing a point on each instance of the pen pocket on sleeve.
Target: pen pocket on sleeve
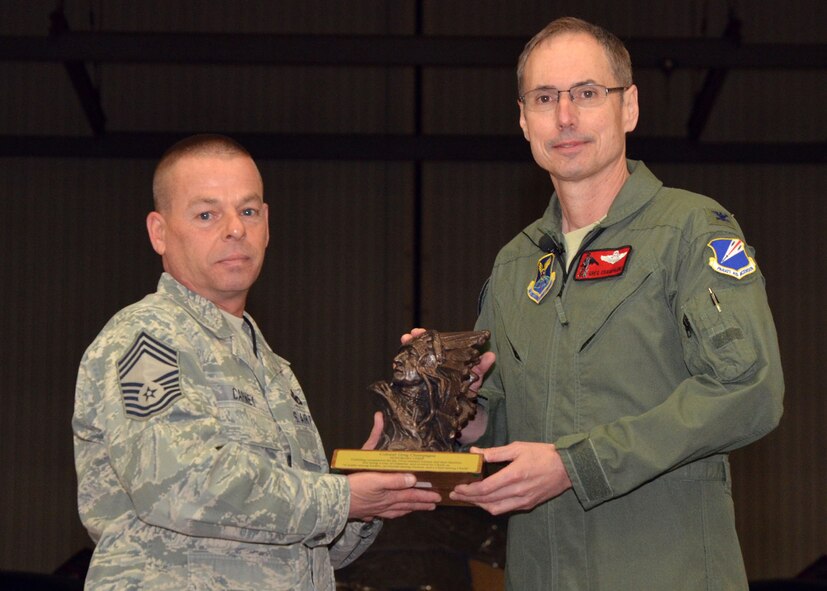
{"x": 714, "y": 341}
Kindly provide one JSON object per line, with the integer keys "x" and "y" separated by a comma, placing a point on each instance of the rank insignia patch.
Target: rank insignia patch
{"x": 601, "y": 264}
{"x": 731, "y": 258}
{"x": 719, "y": 217}
{"x": 149, "y": 377}
{"x": 539, "y": 287}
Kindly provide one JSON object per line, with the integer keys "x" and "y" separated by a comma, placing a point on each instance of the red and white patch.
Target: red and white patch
{"x": 601, "y": 264}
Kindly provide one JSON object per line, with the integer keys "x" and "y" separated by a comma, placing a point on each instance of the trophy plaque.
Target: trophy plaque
{"x": 424, "y": 407}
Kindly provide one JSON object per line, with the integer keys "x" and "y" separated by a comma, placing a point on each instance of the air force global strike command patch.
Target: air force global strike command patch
{"x": 731, "y": 258}
{"x": 149, "y": 377}
{"x": 539, "y": 287}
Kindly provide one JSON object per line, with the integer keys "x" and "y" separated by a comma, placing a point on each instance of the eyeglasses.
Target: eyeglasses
{"x": 582, "y": 95}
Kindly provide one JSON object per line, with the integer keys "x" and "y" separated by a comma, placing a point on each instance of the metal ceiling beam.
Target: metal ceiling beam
{"x": 87, "y": 92}
{"x": 714, "y": 81}
{"x": 388, "y": 50}
{"x": 365, "y": 147}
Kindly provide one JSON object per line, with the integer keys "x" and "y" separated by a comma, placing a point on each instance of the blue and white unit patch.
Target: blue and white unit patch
{"x": 149, "y": 377}
{"x": 539, "y": 286}
{"x": 731, "y": 258}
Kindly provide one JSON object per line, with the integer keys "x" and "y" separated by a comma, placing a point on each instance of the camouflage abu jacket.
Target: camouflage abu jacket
{"x": 200, "y": 467}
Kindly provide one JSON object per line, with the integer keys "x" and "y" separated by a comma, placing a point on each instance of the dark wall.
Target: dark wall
{"x": 361, "y": 249}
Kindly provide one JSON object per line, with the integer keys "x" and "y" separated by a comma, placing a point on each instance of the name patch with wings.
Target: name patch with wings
{"x": 602, "y": 264}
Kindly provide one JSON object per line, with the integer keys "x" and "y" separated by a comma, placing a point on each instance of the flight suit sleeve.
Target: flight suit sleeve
{"x": 731, "y": 397}
{"x": 183, "y": 470}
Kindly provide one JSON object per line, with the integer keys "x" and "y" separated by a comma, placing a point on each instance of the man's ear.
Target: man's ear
{"x": 523, "y": 124}
{"x": 630, "y": 109}
{"x": 267, "y": 222}
{"x": 156, "y": 227}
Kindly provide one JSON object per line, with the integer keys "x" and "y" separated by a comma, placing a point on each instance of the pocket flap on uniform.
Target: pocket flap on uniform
{"x": 717, "y": 343}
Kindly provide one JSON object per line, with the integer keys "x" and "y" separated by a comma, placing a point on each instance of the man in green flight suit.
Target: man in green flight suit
{"x": 199, "y": 464}
{"x": 630, "y": 359}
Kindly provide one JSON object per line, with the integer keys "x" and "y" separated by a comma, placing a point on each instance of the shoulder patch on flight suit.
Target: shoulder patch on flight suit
{"x": 148, "y": 375}
{"x": 601, "y": 264}
{"x": 730, "y": 258}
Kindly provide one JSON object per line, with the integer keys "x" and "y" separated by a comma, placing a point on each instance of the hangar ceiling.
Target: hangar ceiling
{"x": 80, "y": 52}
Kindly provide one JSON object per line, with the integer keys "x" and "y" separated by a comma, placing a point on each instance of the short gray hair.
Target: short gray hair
{"x": 619, "y": 58}
{"x": 203, "y": 144}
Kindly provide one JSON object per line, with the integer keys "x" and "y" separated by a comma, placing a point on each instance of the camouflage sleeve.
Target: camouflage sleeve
{"x": 101, "y": 500}
{"x": 355, "y": 539}
{"x": 182, "y": 467}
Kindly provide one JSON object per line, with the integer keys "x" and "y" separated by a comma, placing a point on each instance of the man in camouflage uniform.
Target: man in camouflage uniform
{"x": 199, "y": 465}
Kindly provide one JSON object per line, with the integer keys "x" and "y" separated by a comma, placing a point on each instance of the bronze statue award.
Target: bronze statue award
{"x": 429, "y": 399}
{"x": 425, "y": 406}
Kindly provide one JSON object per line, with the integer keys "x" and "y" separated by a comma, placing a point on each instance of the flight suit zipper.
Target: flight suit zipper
{"x": 558, "y": 300}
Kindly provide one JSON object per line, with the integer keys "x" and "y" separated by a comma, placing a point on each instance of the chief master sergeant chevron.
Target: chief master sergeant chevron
{"x": 199, "y": 465}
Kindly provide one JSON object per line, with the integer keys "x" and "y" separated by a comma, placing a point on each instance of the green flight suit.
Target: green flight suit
{"x": 642, "y": 383}
{"x": 199, "y": 465}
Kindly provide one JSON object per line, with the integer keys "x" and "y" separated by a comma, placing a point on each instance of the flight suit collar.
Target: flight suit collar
{"x": 636, "y": 192}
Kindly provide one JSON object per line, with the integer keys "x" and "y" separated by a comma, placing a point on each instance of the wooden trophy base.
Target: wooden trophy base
{"x": 438, "y": 470}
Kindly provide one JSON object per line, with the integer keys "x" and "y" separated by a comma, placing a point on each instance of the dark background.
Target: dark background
{"x": 386, "y": 132}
